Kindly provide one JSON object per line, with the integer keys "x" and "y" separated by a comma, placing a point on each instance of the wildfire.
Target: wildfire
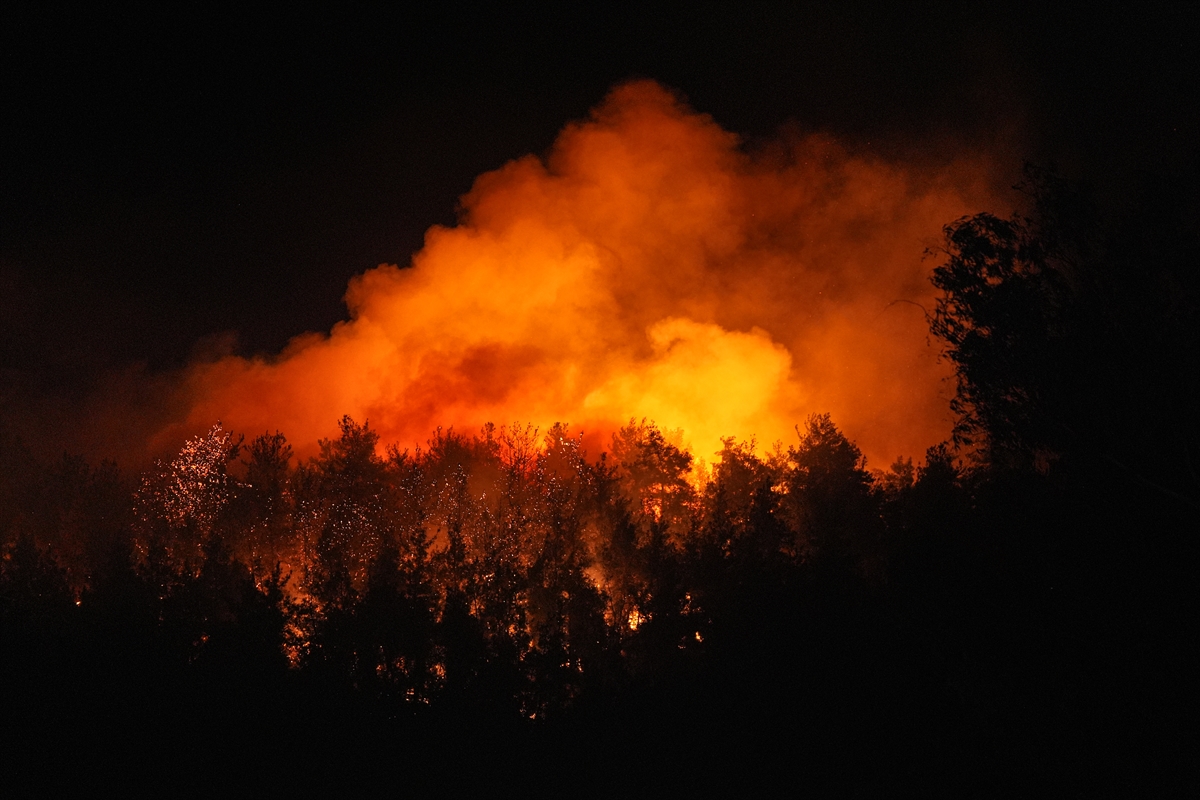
{"x": 648, "y": 267}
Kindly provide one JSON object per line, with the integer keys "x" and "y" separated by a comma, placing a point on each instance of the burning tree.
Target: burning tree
{"x": 181, "y": 501}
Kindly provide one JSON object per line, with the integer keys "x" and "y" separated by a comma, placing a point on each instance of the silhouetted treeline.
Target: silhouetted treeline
{"x": 1009, "y": 612}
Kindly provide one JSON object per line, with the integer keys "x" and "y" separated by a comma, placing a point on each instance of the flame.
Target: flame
{"x": 648, "y": 266}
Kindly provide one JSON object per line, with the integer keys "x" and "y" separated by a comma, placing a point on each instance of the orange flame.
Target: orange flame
{"x": 649, "y": 266}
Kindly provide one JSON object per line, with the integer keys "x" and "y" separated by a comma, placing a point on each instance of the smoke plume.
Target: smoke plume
{"x": 649, "y": 266}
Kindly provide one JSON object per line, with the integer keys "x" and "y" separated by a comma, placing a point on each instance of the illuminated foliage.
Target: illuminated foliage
{"x": 652, "y": 473}
{"x": 195, "y": 486}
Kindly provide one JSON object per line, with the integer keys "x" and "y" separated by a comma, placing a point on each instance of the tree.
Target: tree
{"x": 181, "y": 501}
{"x": 267, "y": 470}
{"x": 741, "y": 505}
{"x": 262, "y": 509}
{"x": 1000, "y": 314}
{"x": 652, "y": 474}
{"x": 1073, "y": 332}
{"x": 828, "y": 498}
{"x": 353, "y": 497}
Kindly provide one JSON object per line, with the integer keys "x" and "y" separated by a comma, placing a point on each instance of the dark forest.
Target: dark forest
{"x": 1010, "y": 612}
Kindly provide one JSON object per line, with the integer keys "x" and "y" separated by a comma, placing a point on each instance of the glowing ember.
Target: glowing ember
{"x": 636, "y": 618}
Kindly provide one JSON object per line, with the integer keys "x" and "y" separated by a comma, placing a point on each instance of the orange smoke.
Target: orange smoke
{"x": 647, "y": 267}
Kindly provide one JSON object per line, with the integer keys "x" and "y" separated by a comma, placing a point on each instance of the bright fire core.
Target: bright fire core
{"x": 647, "y": 267}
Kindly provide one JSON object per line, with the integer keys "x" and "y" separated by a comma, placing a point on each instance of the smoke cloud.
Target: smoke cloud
{"x": 649, "y": 266}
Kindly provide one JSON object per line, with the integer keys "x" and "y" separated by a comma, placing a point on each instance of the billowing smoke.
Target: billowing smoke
{"x": 648, "y": 267}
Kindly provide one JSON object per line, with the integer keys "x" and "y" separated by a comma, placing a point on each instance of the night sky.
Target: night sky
{"x": 169, "y": 179}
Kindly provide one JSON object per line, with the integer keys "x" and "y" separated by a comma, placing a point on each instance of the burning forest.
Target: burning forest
{"x": 676, "y": 450}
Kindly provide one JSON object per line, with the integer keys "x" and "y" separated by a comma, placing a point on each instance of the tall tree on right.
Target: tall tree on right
{"x": 1073, "y": 332}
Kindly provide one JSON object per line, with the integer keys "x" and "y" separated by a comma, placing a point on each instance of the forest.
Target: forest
{"x": 1004, "y": 613}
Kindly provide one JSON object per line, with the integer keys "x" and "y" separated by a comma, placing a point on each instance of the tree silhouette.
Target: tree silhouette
{"x": 1001, "y": 314}
{"x": 259, "y": 524}
{"x": 828, "y": 499}
{"x": 1065, "y": 325}
{"x": 346, "y": 507}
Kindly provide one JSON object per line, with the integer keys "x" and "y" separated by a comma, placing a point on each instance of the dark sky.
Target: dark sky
{"x": 168, "y": 177}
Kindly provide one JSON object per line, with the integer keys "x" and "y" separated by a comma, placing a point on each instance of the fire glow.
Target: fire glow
{"x": 647, "y": 267}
